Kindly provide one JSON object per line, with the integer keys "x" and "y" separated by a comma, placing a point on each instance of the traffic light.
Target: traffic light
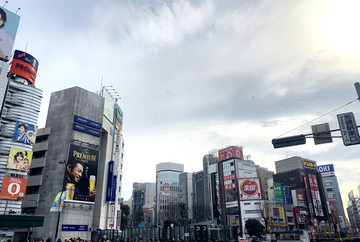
{"x": 289, "y": 141}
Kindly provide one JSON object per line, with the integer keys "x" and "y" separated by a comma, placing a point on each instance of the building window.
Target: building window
{"x": 122, "y": 155}
{"x": 290, "y": 219}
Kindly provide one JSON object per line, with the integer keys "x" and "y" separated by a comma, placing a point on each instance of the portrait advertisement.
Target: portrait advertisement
{"x": 19, "y": 159}
{"x": 9, "y": 23}
{"x": 81, "y": 173}
{"x": 25, "y": 132}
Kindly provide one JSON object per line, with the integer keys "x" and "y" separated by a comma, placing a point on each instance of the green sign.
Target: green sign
{"x": 278, "y": 193}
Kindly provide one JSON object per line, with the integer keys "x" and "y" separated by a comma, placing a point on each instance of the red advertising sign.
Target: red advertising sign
{"x": 315, "y": 195}
{"x": 229, "y": 177}
{"x": 231, "y": 152}
{"x": 230, "y": 186}
{"x": 13, "y": 188}
{"x": 23, "y": 69}
{"x": 249, "y": 189}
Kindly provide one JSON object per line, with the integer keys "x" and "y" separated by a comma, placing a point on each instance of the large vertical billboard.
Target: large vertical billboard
{"x": 24, "y": 65}
{"x": 13, "y": 188}
{"x": 249, "y": 189}
{"x": 315, "y": 194}
{"x": 119, "y": 118}
{"x": 9, "y": 23}
{"x": 81, "y": 173}
{"x": 231, "y": 152}
{"x": 278, "y": 193}
{"x": 25, "y": 132}
{"x": 109, "y": 105}
{"x": 286, "y": 194}
{"x": 19, "y": 159}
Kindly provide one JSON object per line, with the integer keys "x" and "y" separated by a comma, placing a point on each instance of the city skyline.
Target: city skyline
{"x": 199, "y": 75}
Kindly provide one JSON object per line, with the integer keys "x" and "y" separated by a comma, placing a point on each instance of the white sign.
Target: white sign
{"x": 348, "y": 128}
{"x": 231, "y": 204}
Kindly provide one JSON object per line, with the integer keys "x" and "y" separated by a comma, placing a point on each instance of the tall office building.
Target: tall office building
{"x": 167, "y": 191}
{"x": 332, "y": 194}
{"x": 186, "y": 194}
{"x": 142, "y": 207}
{"x": 211, "y": 207}
{"x": 264, "y": 174}
{"x": 80, "y": 151}
{"x": 353, "y": 208}
{"x": 199, "y": 208}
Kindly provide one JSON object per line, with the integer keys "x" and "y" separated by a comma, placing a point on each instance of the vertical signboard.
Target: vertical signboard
{"x": 80, "y": 173}
{"x": 278, "y": 193}
{"x": 286, "y": 195}
{"x": 8, "y": 28}
{"x": 348, "y": 128}
{"x": 119, "y": 118}
{"x": 108, "y": 105}
{"x": 315, "y": 195}
{"x": 110, "y": 194}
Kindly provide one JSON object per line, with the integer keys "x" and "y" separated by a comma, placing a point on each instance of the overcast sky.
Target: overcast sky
{"x": 199, "y": 75}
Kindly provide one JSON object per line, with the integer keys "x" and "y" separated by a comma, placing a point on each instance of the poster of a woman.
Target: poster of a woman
{"x": 19, "y": 159}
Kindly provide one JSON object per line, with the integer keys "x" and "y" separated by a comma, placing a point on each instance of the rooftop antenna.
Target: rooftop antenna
{"x": 5, "y": 3}
{"x": 17, "y": 10}
{"x": 26, "y": 46}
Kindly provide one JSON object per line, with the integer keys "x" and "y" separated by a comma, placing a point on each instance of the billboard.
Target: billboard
{"x": 81, "y": 173}
{"x": 9, "y": 23}
{"x": 109, "y": 105}
{"x": 119, "y": 118}
{"x": 298, "y": 198}
{"x": 19, "y": 159}
{"x": 249, "y": 189}
{"x": 276, "y": 213}
{"x": 13, "y": 188}
{"x": 25, "y": 132}
{"x": 309, "y": 164}
{"x": 348, "y": 129}
{"x": 315, "y": 194}
{"x": 87, "y": 122}
{"x": 278, "y": 193}
{"x": 231, "y": 152}
{"x": 326, "y": 170}
{"x": 110, "y": 193}
{"x": 24, "y": 65}
{"x": 286, "y": 195}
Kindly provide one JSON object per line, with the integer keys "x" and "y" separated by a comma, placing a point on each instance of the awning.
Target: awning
{"x": 21, "y": 221}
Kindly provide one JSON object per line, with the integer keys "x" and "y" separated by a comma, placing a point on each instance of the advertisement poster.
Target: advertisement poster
{"x": 25, "y": 132}
{"x": 13, "y": 188}
{"x": 81, "y": 173}
{"x": 19, "y": 159}
{"x": 231, "y": 152}
{"x": 56, "y": 204}
{"x": 7, "y": 32}
{"x": 298, "y": 198}
{"x": 249, "y": 189}
{"x": 276, "y": 213}
{"x": 315, "y": 195}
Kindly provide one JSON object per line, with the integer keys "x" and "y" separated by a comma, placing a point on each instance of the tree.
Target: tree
{"x": 168, "y": 222}
{"x": 254, "y": 227}
{"x": 125, "y": 212}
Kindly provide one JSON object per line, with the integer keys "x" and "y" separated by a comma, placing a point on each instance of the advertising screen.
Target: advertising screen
{"x": 19, "y": 159}
{"x": 25, "y": 132}
{"x": 8, "y": 29}
{"x": 249, "y": 189}
{"x": 81, "y": 173}
{"x": 109, "y": 105}
{"x": 13, "y": 188}
{"x": 278, "y": 193}
{"x": 315, "y": 195}
{"x": 231, "y": 152}
{"x": 326, "y": 170}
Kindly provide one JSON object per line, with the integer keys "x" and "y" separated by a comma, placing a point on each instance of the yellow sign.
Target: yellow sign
{"x": 309, "y": 164}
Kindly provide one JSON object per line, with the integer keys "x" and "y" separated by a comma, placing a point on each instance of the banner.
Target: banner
{"x": 278, "y": 193}
{"x": 19, "y": 159}
{"x": 25, "y": 132}
{"x": 13, "y": 188}
{"x": 231, "y": 152}
{"x": 81, "y": 173}
{"x": 8, "y": 29}
{"x": 315, "y": 195}
{"x": 56, "y": 204}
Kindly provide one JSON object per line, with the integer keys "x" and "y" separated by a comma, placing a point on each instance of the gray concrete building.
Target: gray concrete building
{"x": 142, "y": 206}
{"x": 76, "y": 135}
{"x": 186, "y": 197}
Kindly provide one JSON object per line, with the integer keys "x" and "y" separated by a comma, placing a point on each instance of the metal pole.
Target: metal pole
{"x": 57, "y": 227}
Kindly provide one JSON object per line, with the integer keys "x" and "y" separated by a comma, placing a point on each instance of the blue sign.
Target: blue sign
{"x": 87, "y": 122}
{"x": 20, "y": 55}
{"x": 71, "y": 227}
{"x": 85, "y": 129}
{"x": 141, "y": 225}
{"x": 326, "y": 170}
{"x": 110, "y": 183}
{"x": 286, "y": 194}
